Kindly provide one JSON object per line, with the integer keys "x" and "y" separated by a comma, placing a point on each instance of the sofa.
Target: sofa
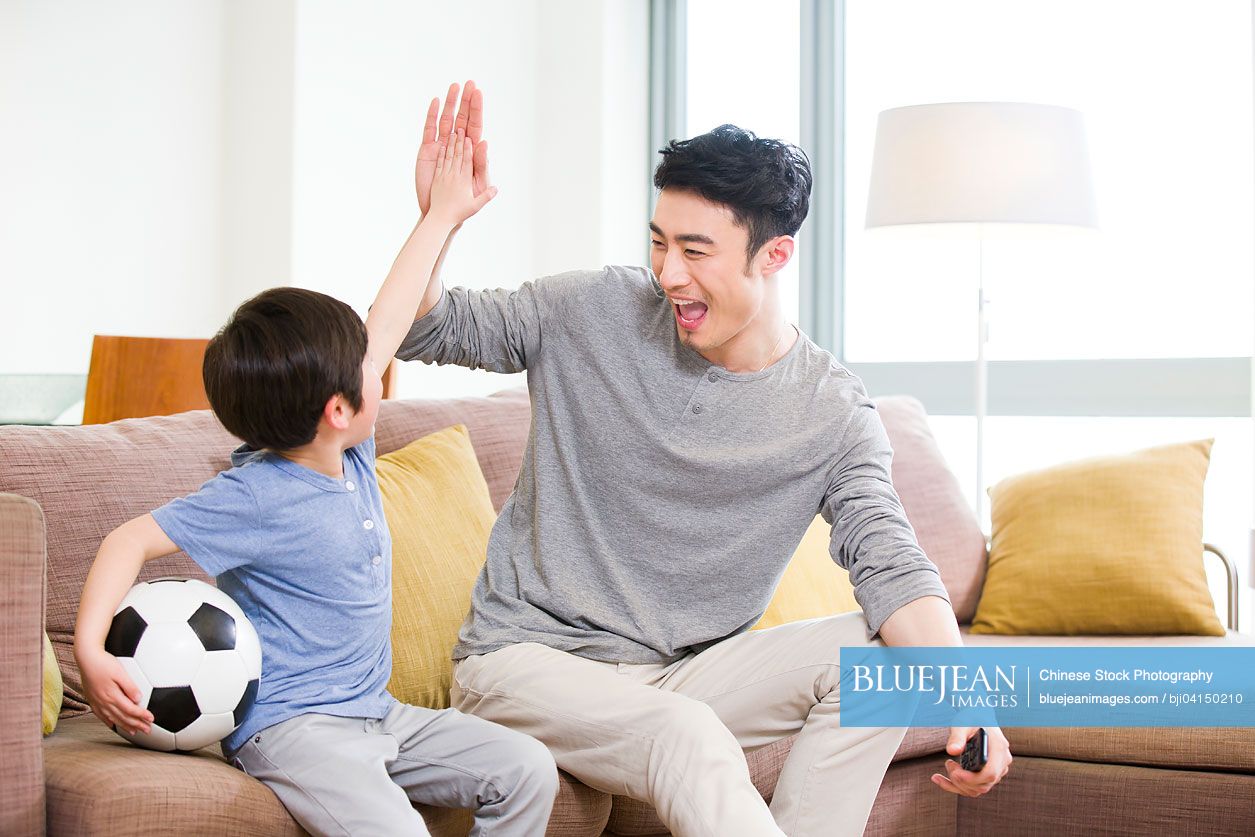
{"x": 63, "y": 488}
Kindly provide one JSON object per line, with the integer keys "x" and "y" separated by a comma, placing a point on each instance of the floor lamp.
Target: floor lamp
{"x": 983, "y": 169}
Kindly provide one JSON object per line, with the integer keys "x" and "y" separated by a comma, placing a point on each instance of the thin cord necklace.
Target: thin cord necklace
{"x": 779, "y": 340}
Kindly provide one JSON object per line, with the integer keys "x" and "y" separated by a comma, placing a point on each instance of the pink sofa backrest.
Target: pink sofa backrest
{"x": 944, "y": 522}
{"x": 90, "y": 479}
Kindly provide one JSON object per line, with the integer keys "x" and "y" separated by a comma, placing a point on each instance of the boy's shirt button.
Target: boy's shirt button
{"x": 368, "y": 524}
{"x": 349, "y": 485}
{"x": 377, "y": 560}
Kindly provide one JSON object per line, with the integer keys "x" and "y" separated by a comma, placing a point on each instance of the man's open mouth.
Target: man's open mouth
{"x": 689, "y": 314}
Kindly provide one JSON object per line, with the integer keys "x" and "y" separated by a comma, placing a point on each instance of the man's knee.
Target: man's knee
{"x": 690, "y": 725}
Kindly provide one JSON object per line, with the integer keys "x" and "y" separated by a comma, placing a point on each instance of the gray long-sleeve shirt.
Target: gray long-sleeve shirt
{"x": 661, "y": 496}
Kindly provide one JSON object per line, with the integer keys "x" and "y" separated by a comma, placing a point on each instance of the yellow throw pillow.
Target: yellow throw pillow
{"x": 1105, "y": 545}
{"x": 53, "y": 689}
{"x": 440, "y": 514}
{"x": 813, "y": 585}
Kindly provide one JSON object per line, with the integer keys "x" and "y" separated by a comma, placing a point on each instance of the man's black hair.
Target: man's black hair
{"x": 271, "y": 369}
{"x": 766, "y": 183}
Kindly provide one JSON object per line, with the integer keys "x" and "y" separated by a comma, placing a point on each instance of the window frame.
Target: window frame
{"x": 1149, "y": 387}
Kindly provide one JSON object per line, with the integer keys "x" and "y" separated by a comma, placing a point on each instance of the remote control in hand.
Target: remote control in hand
{"x": 976, "y": 753}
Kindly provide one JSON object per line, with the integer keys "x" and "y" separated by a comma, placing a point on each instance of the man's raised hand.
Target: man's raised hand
{"x": 467, "y": 119}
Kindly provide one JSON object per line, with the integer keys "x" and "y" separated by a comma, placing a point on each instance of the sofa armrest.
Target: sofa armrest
{"x": 1231, "y": 585}
{"x": 22, "y": 568}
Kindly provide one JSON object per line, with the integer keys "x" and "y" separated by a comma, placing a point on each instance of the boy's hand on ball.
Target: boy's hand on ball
{"x": 112, "y": 694}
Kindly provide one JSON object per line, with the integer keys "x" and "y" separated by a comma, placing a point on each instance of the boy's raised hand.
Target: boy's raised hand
{"x": 469, "y": 122}
{"x": 112, "y": 695}
{"x": 453, "y": 197}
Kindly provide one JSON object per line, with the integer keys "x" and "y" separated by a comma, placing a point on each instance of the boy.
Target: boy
{"x": 295, "y": 534}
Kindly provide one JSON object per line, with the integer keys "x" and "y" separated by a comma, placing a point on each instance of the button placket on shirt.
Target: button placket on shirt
{"x": 703, "y": 392}
{"x": 375, "y": 561}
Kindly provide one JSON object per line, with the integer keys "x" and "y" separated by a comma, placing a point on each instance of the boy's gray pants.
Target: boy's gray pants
{"x": 360, "y": 776}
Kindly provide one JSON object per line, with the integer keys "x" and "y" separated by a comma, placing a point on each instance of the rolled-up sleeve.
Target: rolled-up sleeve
{"x": 499, "y": 330}
{"x": 871, "y": 536}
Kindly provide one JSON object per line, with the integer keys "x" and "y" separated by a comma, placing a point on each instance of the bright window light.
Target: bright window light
{"x": 1165, "y": 89}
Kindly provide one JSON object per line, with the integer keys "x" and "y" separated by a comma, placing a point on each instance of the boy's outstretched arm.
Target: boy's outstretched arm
{"x": 452, "y": 201}
{"x": 468, "y": 119}
{"x": 110, "y": 692}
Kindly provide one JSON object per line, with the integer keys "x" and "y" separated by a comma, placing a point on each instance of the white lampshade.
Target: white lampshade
{"x": 986, "y": 163}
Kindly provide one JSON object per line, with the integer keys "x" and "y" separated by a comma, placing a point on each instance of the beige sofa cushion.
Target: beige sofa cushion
{"x": 88, "y": 480}
{"x": 1231, "y": 749}
{"x": 945, "y": 524}
{"x": 1231, "y": 639}
{"x": 1061, "y": 797}
{"x": 1187, "y": 748}
{"x": 99, "y": 784}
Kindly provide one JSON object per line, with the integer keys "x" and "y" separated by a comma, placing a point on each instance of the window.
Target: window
{"x": 1165, "y": 89}
{"x": 1168, "y": 275}
{"x": 739, "y": 73}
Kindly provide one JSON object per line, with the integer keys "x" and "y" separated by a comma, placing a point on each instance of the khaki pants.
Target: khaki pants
{"x": 674, "y": 735}
{"x": 361, "y": 776}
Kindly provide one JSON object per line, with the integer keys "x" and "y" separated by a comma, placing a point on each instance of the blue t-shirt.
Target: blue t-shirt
{"x": 308, "y": 558}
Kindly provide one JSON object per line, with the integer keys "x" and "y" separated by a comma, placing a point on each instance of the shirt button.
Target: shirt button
{"x": 368, "y": 524}
{"x": 349, "y": 485}
{"x": 713, "y": 377}
{"x": 377, "y": 560}
{"x": 697, "y": 408}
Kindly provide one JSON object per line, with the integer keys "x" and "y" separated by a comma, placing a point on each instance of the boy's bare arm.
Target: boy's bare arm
{"x": 452, "y": 201}
{"x": 435, "y": 287}
{"x": 112, "y": 694}
{"x": 392, "y": 313}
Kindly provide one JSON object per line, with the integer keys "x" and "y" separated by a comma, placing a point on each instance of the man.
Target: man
{"x": 684, "y": 435}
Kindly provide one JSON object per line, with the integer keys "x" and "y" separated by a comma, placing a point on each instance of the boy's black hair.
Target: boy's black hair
{"x": 271, "y": 369}
{"x": 765, "y": 182}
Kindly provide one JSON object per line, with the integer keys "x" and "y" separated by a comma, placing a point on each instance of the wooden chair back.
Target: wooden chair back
{"x": 134, "y": 377}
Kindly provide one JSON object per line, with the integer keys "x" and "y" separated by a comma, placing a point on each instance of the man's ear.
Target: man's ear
{"x": 776, "y": 254}
{"x": 337, "y": 412}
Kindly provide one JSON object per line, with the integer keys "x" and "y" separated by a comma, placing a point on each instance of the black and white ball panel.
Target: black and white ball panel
{"x": 214, "y": 627}
{"x": 193, "y": 655}
{"x": 123, "y": 637}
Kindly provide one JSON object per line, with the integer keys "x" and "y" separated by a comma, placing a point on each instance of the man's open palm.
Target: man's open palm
{"x": 466, "y": 120}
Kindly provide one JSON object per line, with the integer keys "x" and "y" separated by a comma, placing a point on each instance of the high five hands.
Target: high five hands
{"x": 453, "y": 198}
{"x": 464, "y": 121}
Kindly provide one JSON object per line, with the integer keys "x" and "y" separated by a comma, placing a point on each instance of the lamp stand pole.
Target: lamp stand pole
{"x": 982, "y": 383}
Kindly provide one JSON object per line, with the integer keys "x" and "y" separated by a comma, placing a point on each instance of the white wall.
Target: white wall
{"x": 181, "y": 157}
{"x": 364, "y": 76}
{"x": 110, "y": 161}
{"x": 258, "y": 80}
{"x": 565, "y": 85}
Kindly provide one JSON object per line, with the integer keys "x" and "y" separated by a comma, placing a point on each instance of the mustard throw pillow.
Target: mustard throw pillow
{"x": 813, "y": 585}
{"x": 440, "y": 514}
{"x": 53, "y": 689}
{"x": 1105, "y": 545}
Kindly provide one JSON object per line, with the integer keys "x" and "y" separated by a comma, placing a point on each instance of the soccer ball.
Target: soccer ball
{"x": 194, "y": 656}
